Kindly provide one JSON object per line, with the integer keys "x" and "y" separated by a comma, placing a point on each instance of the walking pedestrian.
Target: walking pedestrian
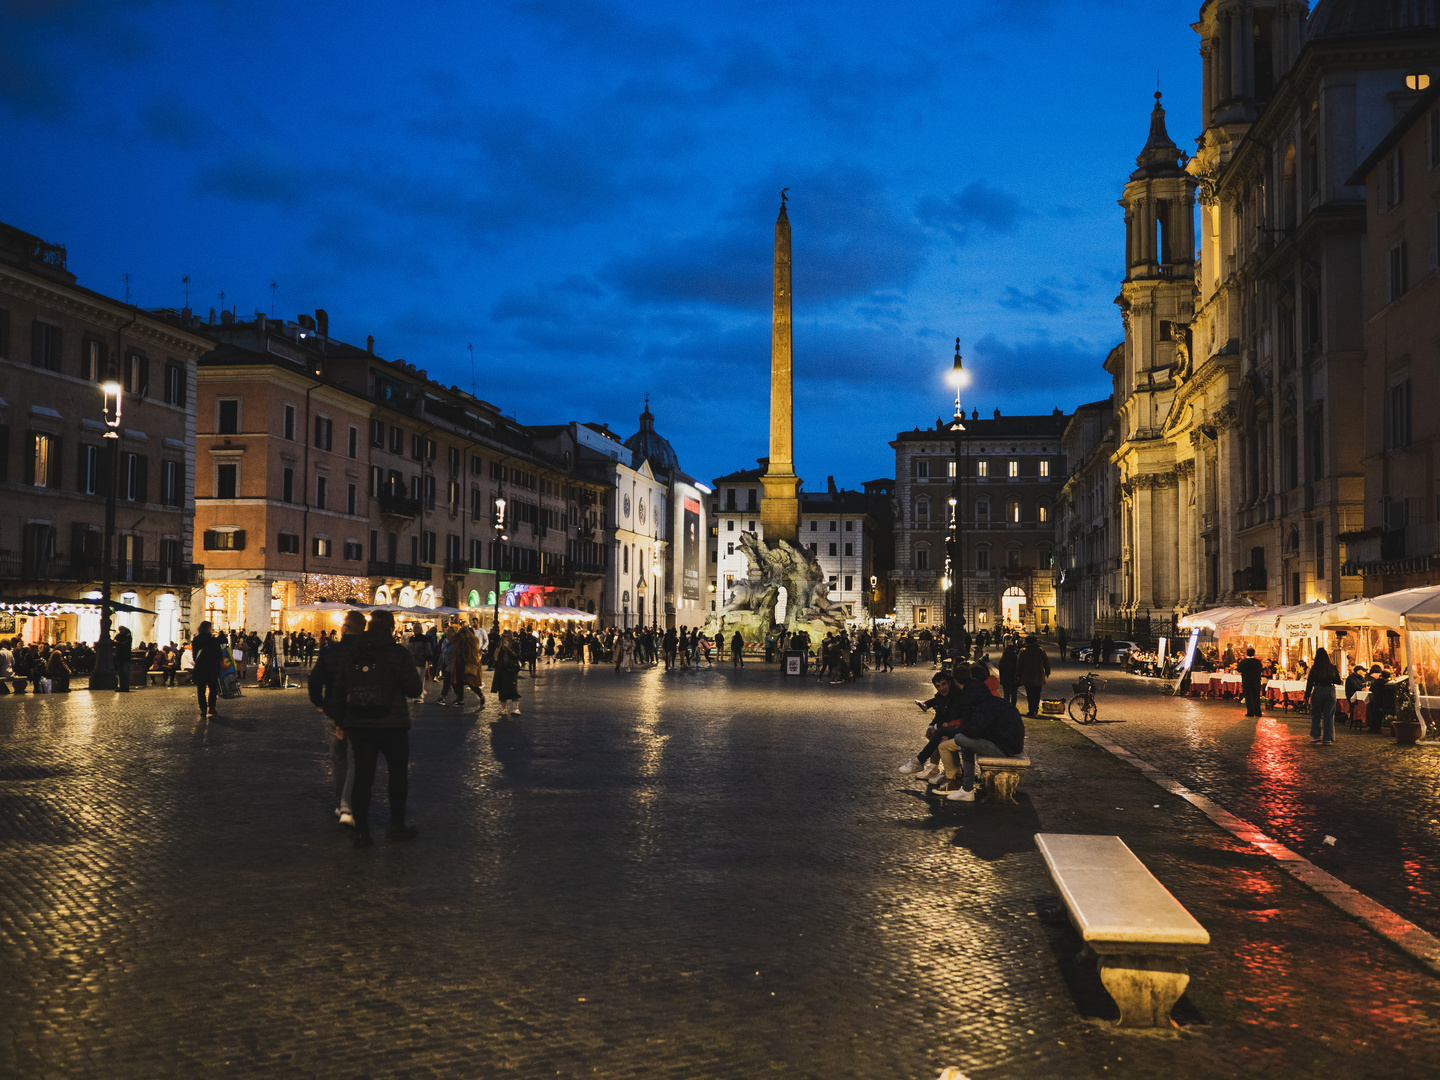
{"x": 1250, "y": 670}
{"x": 209, "y": 659}
{"x": 1009, "y": 675}
{"x": 737, "y": 650}
{"x": 372, "y": 689}
{"x": 506, "y": 680}
{"x": 1320, "y": 696}
{"x": 1033, "y": 668}
{"x": 321, "y": 689}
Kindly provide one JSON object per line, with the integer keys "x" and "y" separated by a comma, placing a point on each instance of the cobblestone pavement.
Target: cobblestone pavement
{"x": 712, "y": 874}
{"x": 1380, "y": 802}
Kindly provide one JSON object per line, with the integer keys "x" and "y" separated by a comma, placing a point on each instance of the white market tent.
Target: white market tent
{"x": 1216, "y": 619}
{"x": 563, "y": 613}
{"x": 1385, "y": 612}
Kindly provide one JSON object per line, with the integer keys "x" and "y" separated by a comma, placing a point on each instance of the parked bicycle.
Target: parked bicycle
{"x": 1082, "y": 706}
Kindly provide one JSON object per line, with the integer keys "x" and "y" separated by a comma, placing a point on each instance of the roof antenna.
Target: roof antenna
{"x": 472, "y": 369}
{"x": 186, "y": 280}
{"x": 272, "y": 299}
{"x": 127, "y": 287}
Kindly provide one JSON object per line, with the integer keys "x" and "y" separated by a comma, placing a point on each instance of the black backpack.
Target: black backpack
{"x": 365, "y": 685}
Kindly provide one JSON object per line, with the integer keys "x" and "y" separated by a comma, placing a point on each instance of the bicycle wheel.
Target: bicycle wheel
{"x": 1077, "y": 709}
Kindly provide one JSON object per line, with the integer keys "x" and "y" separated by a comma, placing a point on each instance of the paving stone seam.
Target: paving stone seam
{"x": 1394, "y": 928}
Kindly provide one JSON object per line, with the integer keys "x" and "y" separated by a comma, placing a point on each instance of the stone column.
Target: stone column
{"x": 257, "y": 605}
{"x": 1189, "y": 534}
{"x": 1142, "y": 558}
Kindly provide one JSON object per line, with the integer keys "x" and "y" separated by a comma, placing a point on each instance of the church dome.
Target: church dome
{"x": 647, "y": 444}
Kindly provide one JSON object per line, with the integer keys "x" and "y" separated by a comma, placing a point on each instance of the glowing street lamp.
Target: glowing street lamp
{"x": 104, "y": 675}
{"x": 957, "y": 377}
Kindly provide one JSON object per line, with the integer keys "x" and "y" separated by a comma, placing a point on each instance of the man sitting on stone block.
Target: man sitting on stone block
{"x": 991, "y": 727}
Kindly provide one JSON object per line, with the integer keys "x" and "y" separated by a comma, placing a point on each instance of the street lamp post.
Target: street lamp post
{"x": 104, "y": 675}
{"x": 955, "y": 547}
{"x": 500, "y": 534}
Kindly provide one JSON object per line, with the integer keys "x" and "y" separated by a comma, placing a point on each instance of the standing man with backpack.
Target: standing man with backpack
{"x": 322, "y": 684}
{"x": 372, "y": 689}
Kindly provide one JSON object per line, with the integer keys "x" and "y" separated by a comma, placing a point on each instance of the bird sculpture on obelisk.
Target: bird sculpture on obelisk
{"x": 780, "y": 508}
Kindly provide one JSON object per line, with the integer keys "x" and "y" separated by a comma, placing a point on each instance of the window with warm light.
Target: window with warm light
{"x": 1013, "y": 469}
{"x": 1044, "y": 467}
{"x": 1417, "y": 81}
{"x": 982, "y": 469}
{"x": 1014, "y": 516}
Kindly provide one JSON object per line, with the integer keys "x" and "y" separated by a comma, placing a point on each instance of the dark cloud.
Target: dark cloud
{"x": 258, "y": 175}
{"x": 979, "y": 207}
{"x": 168, "y": 118}
{"x": 1042, "y": 298}
{"x": 847, "y": 242}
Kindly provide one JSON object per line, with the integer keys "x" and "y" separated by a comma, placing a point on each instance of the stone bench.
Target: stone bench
{"x": 1137, "y": 930}
{"x": 999, "y": 777}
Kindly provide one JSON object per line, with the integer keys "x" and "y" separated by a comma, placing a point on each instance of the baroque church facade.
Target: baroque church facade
{"x": 1239, "y": 430}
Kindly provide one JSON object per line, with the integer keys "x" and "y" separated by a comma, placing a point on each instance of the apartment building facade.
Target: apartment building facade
{"x": 59, "y": 343}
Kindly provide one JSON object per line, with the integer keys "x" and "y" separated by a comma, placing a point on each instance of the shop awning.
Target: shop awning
{"x": 1425, "y": 616}
{"x": 41, "y": 603}
{"x": 1217, "y": 619}
{"x": 1387, "y": 611}
{"x": 546, "y": 613}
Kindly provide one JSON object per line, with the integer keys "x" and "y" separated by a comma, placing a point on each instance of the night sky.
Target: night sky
{"x": 586, "y": 192}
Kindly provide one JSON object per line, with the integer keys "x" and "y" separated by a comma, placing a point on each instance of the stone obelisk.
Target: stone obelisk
{"x": 780, "y": 508}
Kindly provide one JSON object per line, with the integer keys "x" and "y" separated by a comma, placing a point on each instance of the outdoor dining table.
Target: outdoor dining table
{"x": 1285, "y": 691}
{"x": 1215, "y": 683}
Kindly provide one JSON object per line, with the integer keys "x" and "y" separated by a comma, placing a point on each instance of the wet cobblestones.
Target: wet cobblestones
{"x": 710, "y": 874}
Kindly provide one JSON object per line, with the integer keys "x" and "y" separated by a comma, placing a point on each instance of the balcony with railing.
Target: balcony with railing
{"x": 89, "y": 571}
{"x": 397, "y": 505}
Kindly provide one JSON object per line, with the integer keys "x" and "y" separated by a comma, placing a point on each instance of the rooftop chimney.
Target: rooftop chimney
{"x": 212, "y": 316}
{"x": 305, "y": 321}
{"x": 260, "y": 322}
{"x": 322, "y": 323}
{"x": 370, "y": 344}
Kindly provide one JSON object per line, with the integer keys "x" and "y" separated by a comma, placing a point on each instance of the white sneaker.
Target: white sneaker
{"x": 515, "y": 709}
{"x": 933, "y": 771}
{"x": 963, "y": 795}
{"x": 347, "y": 818}
{"x": 911, "y": 766}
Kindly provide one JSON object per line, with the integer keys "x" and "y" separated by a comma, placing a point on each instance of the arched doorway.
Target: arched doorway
{"x": 1012, "y": 605}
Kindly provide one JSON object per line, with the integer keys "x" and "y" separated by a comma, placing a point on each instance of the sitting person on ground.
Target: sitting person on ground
{"x": 990, "y": 727}
{"x": 926, "y": 764}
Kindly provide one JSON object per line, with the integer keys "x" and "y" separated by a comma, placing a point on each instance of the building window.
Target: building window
{"x": 226, "y": 481}
{"x": 1047, "y": 557}
{"x": 1320, "y": 550}
{"x": 92, "y": 360}
{"x": 729, "y": 549}
{"x": 1396, "y": 281}
{"x": 1044, "y": 466}
{"x": 832, "y": 549}
{"x": 814, "y": 549}
{"x": 224, "y": 540}
{"x": 1012, "y": 469}
{"x": 1399, "y": 410}
{"x": 172, "y": 485}
{"x": 814, "y": 526}
{"x": 1012, "y": 558}
{"x": 982, "y": 557}
{"x": 849, "y": 526}
{"x": 922, "y": 513}
{"x": 430, "y": 493}
{"x": 1392, "y": 180}
{"x": 397, "y": 441}
{"x": 352, "y": 446}
{"x": 377, "y": 433}
{"x": 922, "y": 468}
{"x": 322, "y": 490}
{"x": 849, "y": 549}
{"x": 133, "y": 476}
{"x": 88, "y": 481}
{"x": 322, "y": 547}
{"x": 174, "y": 384}
{"x": 849, "y": 582}
{"x": 922, "y": 558}
{"x": 228, "y": 416}
{"x": 834, "y": 526}
{"x": 950, "y": 469}
{"x": 287, "y": 485}
{"x": 417, "y": 447}
{"x": 1013, "y": 514}
{"x": 351, "y": 499}
{"x": 290, "y": 422}
{"x": 982, "y": 513}
{"x": 922, "y": 616}
{"x": 431, "y": 448}
{"x": 377, "y": 480}
{"x": 324, "y": 433}
{"x": 4, "y": 334}
{"x": 45, "y": 345}
{"x": 288, "y": 543}
{"x": 1432, "y": 140}
{"x": 137, "y": 373}
{"x": 354, "y": 552}
{"x": 428, "y": 554}
{"x": 982, "y": 469}
{"x": 1044, "y": 512}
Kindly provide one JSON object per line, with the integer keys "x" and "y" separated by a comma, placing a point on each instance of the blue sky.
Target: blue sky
{"x": 586, "y": 192}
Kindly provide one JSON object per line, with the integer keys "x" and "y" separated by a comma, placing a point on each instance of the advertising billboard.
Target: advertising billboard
{"x": 690, "y": 583}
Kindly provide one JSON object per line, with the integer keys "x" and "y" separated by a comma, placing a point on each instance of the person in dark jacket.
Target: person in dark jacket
{"x": 322, "y": 682}
{"x": 1032, "y": 668}
{"x": 737, "y": 650}
{"x": 123, "y": 655}
{"x": 388, "y": 735}
{"x": 1382, "y": 699}
{"x": 205, "y": 650}
{"x": 1320, "y": 696}
{"x": 1250, "y": 670}
{"x": 505, "y": 682}
{"x": 990, "y": 727}
{"x": 1009, "y": 672}
{"x": 946, "y": 704}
